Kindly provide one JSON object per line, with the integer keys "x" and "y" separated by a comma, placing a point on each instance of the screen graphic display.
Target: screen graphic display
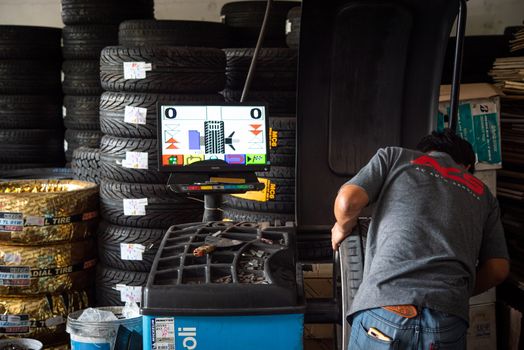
{"x": 197, "y": 136}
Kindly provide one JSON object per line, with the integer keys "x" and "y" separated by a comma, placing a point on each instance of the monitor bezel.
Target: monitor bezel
{"x": 211, "y": 168}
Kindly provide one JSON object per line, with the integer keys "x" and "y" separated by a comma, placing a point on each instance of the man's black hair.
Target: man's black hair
{"x": 449, "y": 142}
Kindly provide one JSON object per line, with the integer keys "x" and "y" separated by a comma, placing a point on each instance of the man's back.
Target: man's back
{"x": 432, "y": 220}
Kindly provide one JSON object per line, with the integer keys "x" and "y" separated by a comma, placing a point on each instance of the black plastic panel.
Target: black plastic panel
{"x": 369, "y": 76}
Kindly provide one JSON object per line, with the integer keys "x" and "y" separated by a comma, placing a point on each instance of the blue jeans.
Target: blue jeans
{"x": 429, "y": 330}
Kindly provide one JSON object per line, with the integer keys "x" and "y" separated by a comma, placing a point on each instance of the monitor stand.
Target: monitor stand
{"x": 213, "y": 186}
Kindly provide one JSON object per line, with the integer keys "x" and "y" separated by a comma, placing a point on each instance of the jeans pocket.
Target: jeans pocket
{"x": 364, "y": 341}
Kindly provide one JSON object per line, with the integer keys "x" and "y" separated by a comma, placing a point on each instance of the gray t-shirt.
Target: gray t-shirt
{"x": 432, "y": 222}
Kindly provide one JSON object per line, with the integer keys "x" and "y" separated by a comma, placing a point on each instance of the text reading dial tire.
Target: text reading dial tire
{"x": 170, "y": 113}
{"x": 256, "y": 113}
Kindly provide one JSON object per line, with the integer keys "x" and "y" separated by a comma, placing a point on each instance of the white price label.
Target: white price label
{"x": 483, "y": 108}
{"x": 136, "y": 70}
{"x": 288, "y": 26}
{"x": 135, "y": 207}
{"x": 131, "y": 251}
{"x": 66, "y": 146}
{"x": 129, "y": 293}
{"x": 55, "y": 321}
{"x": 64, "y": 111}
{"x": 135, "y": 115}
{"x": 136, "y": 160}
{"x": 164, "y": 337}
{"x": 35, "y": 221}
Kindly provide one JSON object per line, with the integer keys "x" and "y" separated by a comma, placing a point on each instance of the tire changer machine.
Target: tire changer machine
{"x": 369, "y": 77}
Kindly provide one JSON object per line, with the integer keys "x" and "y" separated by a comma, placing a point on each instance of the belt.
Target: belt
{"x": 406, "y": 311}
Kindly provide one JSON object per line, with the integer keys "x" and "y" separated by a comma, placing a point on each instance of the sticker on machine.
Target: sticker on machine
{"x": 14, "y": 324}
{"x": 163, "y": 333}
{"x": 11, "y": 222}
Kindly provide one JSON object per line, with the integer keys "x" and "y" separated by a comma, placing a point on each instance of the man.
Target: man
{"x": 434, "y": 241}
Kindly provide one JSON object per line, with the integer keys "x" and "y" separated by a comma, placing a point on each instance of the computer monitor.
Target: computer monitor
{"x": 212, "y": 138}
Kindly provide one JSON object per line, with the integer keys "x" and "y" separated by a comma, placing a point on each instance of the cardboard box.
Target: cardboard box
{"x": 487, "y": 297}
{"x": 479, "y": 121}
{"x": 318, "y": 344}
{"x": 318, "y": 270}
{"x": 482, "y": 332}
{"x": 319, "y": 331}
{"x": 489, "y": 177}
{"x": 318, "y": 288}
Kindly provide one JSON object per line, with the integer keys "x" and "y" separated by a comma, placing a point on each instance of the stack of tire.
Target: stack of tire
{"x": 90, "y": 25}
{"x": 175, "y": 61}
{"x": 293, "y": 27}
{"x": 244, "y": 19}
{"x": 31, "y": 130}
{"x": 274, "y": 83}
{"x": 47, "y": 255}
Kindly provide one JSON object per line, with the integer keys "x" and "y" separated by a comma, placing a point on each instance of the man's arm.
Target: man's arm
{"x": 491, "y": 273}
{"x": 350, "y": 201}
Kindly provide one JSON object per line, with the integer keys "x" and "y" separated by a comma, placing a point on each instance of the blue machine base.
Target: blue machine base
{"x": 273, "y": 332}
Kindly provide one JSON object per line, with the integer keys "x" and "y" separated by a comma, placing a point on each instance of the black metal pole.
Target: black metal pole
{"x": 457, "y": 67}
{"x": 212, "y": 204}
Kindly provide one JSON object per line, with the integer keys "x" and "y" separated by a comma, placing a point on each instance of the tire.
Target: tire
{"x": 41, "y": 308}
{"x": 107, "y": 280}
{"x": 279, "y": 159}
{"x": 30, "y": 146}
{"x": 81, "y": 78}
{"x": 37, "y": 172}
{"x": 30, "y": 112}
{"x": 283, "y": 131}
{"x": 172, "y": 33}
{"x": 75, "y": 199}
{"x": 7, "y": 169}
{"x": 110, "y": 237}
{"x": 245, "y": 19}
{"x": 293, "y": 24}
{"x": 86, "y": 164}
{"x": 29, "y": 77}
{"x": 164, "y": 208}
{"x": 277, "y": 101}
{"x": 314, "y": 250}
{"x": 276, "y": 69}
{"x": 113, "y": 152}
{"x": 27, "y": 42}
{"x": 252, "y": 216}
{"x": 174, "y": 69}
{"x": 80, "y": 138}
{"x": 78, "y": 257}
{"x": 113, "y": 104}
{"x": 282, "y": 204}
{"x": 82, "y": 112}
{"x": 84, "y": 42}
{"x": 280, "y": 172}
{"x": 105, "y": 11}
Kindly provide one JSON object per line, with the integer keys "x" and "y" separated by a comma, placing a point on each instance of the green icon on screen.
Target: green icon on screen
{"x": 255, "y": 159}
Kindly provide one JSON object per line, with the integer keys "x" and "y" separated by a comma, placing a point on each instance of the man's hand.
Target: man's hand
{"x": 337, "y": 236}
{"x": 349, "y": 203}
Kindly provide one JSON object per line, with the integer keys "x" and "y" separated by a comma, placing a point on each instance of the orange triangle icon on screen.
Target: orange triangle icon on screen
{"x": 171, "y": 140}
{"x": 172, "y": 146}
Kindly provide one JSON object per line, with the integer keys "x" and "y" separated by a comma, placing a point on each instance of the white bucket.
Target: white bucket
{"x": 100, "y": 335}
{"x": 24, "y": 343}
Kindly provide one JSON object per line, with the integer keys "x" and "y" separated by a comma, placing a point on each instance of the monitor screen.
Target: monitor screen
{"x": 212, "y": 138}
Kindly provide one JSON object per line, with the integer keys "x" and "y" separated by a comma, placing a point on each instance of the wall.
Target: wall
{"x": 485, "y": 16}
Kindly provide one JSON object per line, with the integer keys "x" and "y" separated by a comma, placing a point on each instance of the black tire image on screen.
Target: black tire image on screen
{"x": 214, "y": 131}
